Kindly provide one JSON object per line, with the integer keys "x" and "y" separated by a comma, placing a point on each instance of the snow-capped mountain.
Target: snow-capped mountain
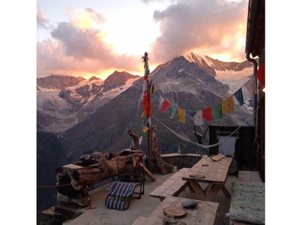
{"x": 222, "y": 70}
{"x": 64, "y": 101}
{"x": 58, "y": 81}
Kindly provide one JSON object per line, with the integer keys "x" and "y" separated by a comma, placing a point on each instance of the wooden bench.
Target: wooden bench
{"x": 172, "y": 186}
{"x": 251, "y": 176}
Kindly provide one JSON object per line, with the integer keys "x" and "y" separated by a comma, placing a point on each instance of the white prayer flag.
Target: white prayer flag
{"x": 140, "y": 140}
{"x": 198, "y": 118}
{"x": 251, "y": 86}
{"x": 160, "y": 101}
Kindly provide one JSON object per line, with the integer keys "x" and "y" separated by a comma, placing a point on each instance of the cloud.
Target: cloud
{"x": 216, "y": 25}
{"x": 78, "y": 51}
{"x": 41, "y": 20}
{"x": 87, "y": 18}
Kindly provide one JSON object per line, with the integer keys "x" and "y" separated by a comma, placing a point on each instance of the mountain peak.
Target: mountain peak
{"x": 94, "y": 78}
{"x": 215, "y": 66}
{"x": 117, "y": 79}
{"x": 58, "y": 81}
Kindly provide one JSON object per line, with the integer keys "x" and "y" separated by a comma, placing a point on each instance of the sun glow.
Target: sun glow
{"x": 223, "y": 57}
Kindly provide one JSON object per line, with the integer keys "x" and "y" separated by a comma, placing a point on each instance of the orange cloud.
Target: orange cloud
{"x": 87, "y": 19}
{"x": 208, "y": 27}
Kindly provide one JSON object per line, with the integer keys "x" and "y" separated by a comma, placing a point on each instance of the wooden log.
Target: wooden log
{"x": 135, "y": 138}
{"x": 81, "y": 174}
{"x": 156, "y": 154}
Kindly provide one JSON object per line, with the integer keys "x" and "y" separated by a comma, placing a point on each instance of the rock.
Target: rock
{"x": 189, "y": 204}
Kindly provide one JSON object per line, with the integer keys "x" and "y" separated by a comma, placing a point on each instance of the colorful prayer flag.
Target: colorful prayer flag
{"x": 217, "y": 112}
{"x": 160, "y": 101}
{"x": 145, "y": 129}
{"x": 260, "y": 74}
{"x": 173, "y": 110}
{"x": 181, "y": 115}
{"x": 251, "y": 86}
{"x": 198, "y": 118}
{"x": 156, "y": 95}
{"x": 166, "y": 104}
{"x": 207, "y": 114}
{"x": 154, "y": 91}
{"x": 144, "y": 114}
{"x": 146, "y": 102}
{"x": 228, "y": 105}
{"x": 191, "y": 112}
{"x": 239, "y": 96}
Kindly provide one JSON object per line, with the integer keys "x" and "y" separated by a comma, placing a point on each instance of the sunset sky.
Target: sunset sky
{"x": 94, "y": 38}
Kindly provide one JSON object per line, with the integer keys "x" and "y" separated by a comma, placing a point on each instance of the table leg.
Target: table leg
{"x": 190, "y": 187}
{"x": 197, "y": 188}
{"x": 225, "y": 192}
{"x": 212, "y": 191}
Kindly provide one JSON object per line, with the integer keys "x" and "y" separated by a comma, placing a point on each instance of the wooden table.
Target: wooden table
{"x": 215, "y": 175}
{"x": 204, "y": 214}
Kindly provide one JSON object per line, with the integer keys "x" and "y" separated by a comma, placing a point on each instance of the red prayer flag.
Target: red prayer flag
{"x": 146, "y": 102}
{"x": 207, "y": 114}
{"x": 166, "y": 104}
{"x": 260, "y": 74}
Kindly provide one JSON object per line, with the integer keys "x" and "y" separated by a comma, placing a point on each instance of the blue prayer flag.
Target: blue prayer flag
{"x": 239, "y": 96}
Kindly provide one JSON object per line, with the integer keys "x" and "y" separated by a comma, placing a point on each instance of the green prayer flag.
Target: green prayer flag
{"x": 217, "y": 112}
{"x": 173, "y": 110}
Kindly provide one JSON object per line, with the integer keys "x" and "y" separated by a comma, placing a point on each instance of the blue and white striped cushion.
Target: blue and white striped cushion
{"x": 115, "y": 204}
{"x": 122, "y": 189}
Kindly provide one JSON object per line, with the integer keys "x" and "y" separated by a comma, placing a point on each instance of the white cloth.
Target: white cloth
{"x": 198, "y": 118}
{"x": 140, "y": 140}
{"x": 228, "y": 145}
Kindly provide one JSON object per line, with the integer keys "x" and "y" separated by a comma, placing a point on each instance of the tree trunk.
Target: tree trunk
{"x": 135, "y": 138}
{"x": 156, "y": 154}
{"x": 91, "y": 169}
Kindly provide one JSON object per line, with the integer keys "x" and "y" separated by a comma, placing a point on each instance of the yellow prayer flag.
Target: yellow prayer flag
{"x": 228, "y": 105}
{"x": 145, "y": 129}
{"x": 144, "y": 114}
{"x": 154, "y": 90}
{"x": 181, "y": 115}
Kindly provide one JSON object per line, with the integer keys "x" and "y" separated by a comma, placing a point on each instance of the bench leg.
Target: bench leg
{"x": 197, "y": 188}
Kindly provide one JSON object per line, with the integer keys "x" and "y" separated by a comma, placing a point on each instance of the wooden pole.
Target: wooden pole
{"x": 149, "y": 148}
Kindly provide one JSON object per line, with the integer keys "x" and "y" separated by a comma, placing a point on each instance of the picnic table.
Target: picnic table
{"x": 215, "y": 175}
{"x": 204, "y": 214}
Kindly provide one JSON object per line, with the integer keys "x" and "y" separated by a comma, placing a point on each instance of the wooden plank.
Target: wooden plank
{"x": 215, "y": 172}
{"x": 172, "y": 186}
{"x": 218, "y": 157}
{"x": 250, "y": 176}
{"x": 148, "y": 174}
{"x": 139, "y": 221}
{"x": 204, "y": 214}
